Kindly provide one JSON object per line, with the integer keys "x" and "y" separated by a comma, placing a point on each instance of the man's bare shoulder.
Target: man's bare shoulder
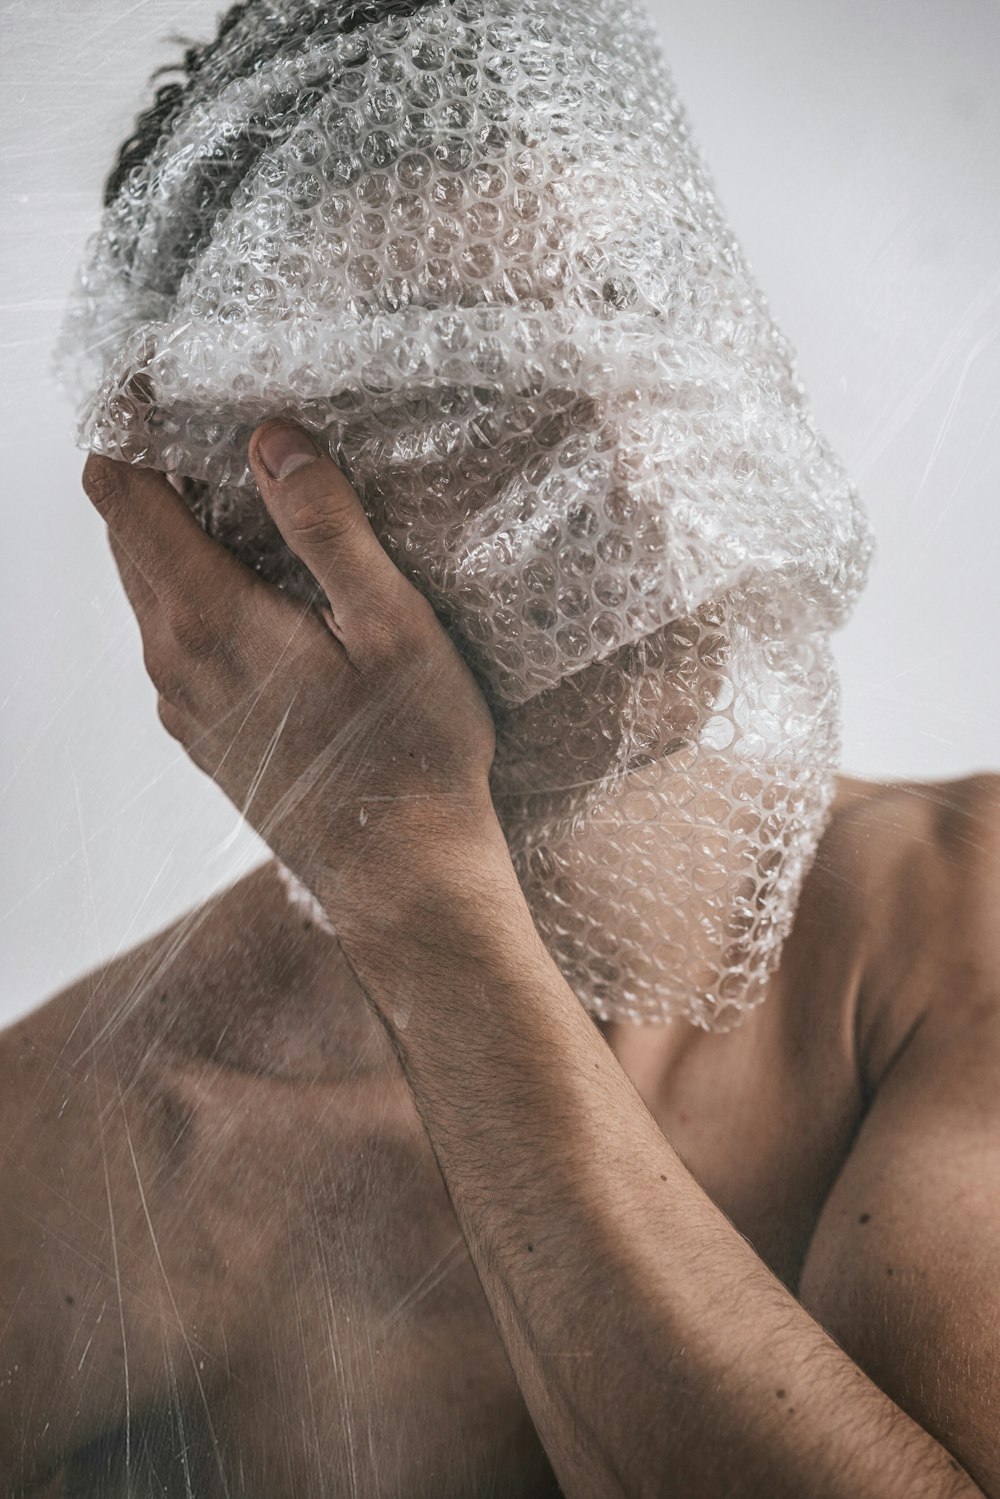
{"x": 903, "y": 1265}
{"x": 923, "y": 860}
{"x": 961, "y": 815}
{"x": 246, "y": 980}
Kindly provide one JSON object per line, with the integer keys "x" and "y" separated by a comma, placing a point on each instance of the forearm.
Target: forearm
{"x": 649, "y": 1340}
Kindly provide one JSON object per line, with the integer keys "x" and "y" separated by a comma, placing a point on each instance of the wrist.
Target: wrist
{"x": 424, "y": 926}
{"x": 411, "y": 872}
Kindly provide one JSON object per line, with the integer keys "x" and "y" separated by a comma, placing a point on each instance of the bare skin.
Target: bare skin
{"x": 212, "y": 1149}
{"x": 357, "y": 1310}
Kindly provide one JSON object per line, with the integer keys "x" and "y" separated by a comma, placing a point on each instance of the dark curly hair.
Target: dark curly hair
{"x": 155, "y": 121}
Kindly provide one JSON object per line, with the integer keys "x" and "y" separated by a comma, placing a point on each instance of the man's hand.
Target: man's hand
{"x": 652, "y": 1346}
{"x": 352, "y": 736}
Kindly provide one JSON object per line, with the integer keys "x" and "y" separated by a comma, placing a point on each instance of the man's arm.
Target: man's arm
{"x": 656, "y": 1352}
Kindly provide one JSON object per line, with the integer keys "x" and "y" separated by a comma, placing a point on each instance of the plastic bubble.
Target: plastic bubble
{"x": 472, "y": 246}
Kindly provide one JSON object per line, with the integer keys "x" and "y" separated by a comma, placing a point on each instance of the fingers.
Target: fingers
{"x": 150, "y": 526}
{"x": 322, "y": 520}
{"x": 207, "y": 596}
{"x": 140, "y": 595}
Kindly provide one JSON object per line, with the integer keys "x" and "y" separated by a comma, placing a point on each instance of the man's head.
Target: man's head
{"x": 469, "y": 244}
{"x": 247, "y": 34}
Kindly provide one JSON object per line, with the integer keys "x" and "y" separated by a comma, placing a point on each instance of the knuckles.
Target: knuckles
{"x": 197, "y": 635}
{"x": 322, "y": 523}
{"x": 168, "y": 679}
{"x": 171, "y": 717}
{"x": 192, "y": 635}
{"x": 175, "y": 653}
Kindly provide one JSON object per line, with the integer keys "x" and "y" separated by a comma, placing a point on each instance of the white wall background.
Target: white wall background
{"x": 856, "y": 145}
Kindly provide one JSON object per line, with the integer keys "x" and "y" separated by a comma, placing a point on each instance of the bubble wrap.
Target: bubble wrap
{"x": 472, "y": 247}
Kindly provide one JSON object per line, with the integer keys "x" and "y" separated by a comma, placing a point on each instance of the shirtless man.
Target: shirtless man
{"x": 284, "y": 1219}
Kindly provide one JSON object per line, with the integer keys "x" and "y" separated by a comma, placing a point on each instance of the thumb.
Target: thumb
{"x": 323, "y": 522}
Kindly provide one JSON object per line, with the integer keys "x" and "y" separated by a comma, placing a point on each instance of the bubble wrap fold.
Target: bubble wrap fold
{"x": 472, "y": 247}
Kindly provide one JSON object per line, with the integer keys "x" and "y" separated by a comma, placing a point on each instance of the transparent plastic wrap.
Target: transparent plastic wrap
{"x": 471, "y": 246}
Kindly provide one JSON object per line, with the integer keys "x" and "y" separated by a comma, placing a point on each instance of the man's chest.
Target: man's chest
{"x": 763, "y": 1117}
{"x": 372, "y": 1364}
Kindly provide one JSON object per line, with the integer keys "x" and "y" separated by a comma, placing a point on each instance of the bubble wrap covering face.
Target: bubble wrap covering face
{"x": 474, "y": 249}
